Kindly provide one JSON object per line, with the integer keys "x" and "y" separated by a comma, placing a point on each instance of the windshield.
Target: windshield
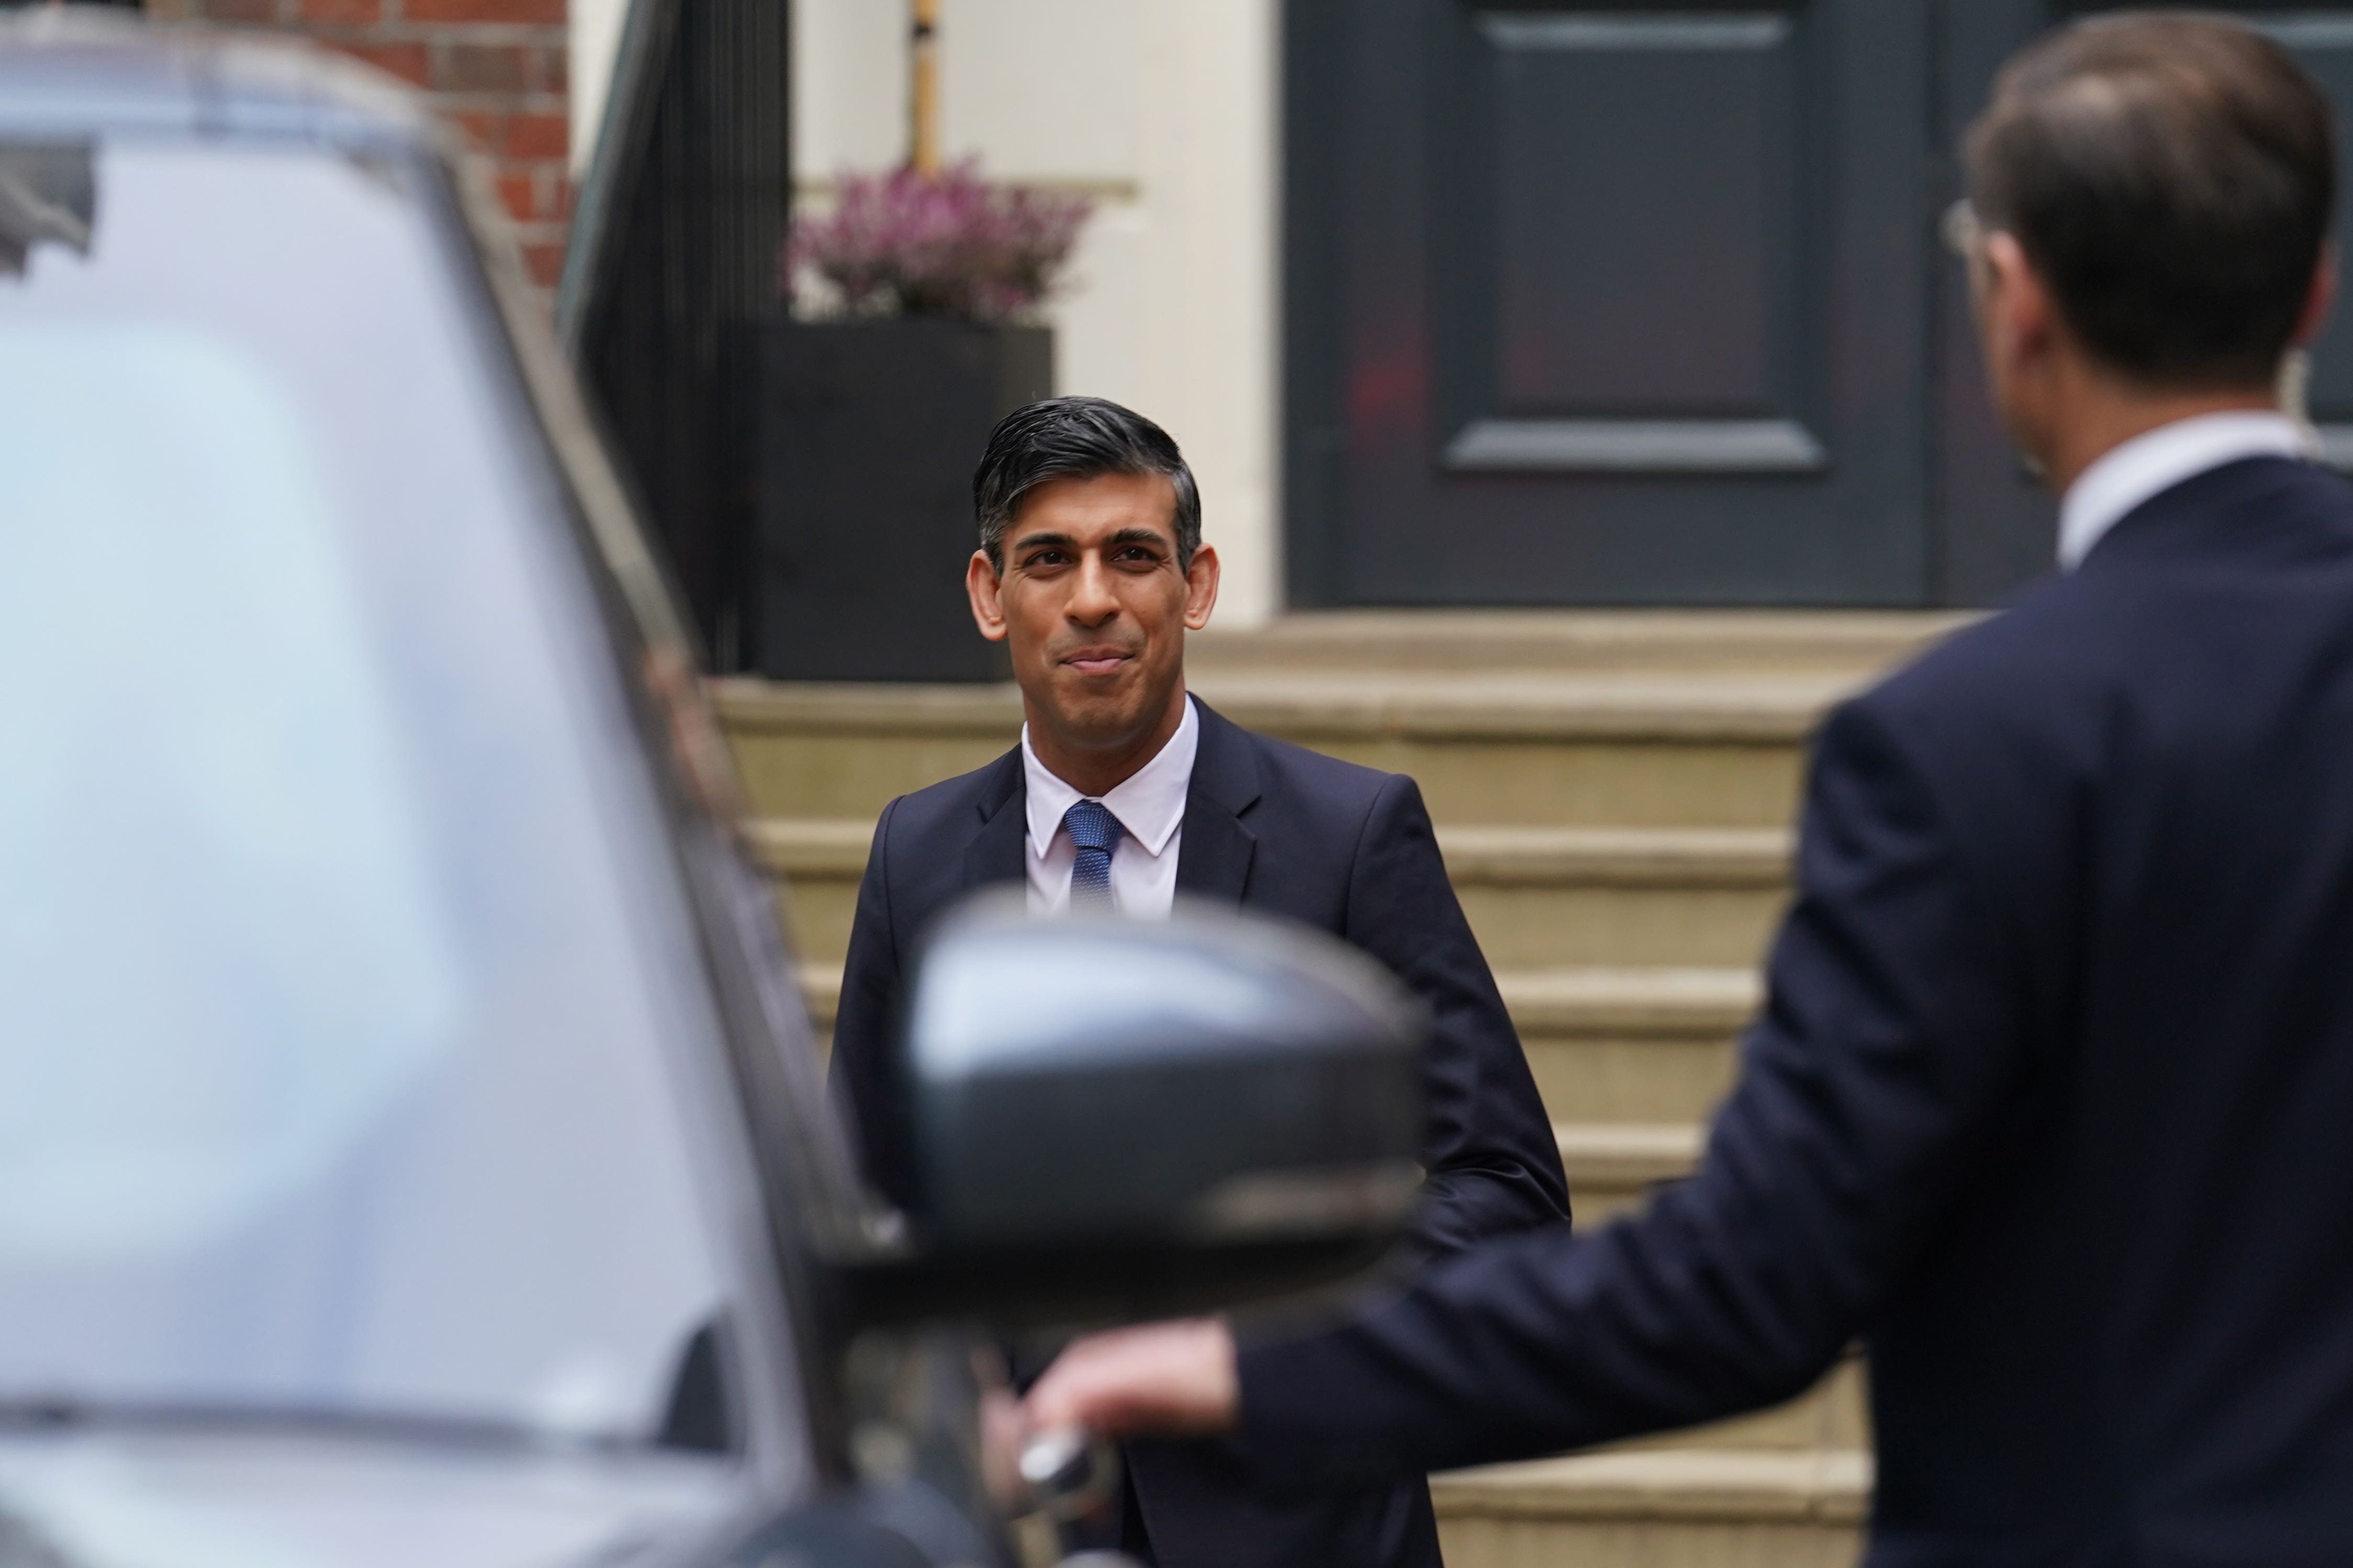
{"x": 337, "y": 954}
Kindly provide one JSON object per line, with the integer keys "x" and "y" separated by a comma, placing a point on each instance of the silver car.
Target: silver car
{"x": 412, "y": 1147}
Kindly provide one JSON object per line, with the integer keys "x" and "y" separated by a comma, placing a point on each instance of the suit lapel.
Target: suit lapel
{"x": 1219, "y": 848}
{"x": 995, "y": 853}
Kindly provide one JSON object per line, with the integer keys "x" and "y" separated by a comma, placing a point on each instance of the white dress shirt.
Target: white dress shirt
{"x": 1150, "y": 806}
{"x": 2157, "y": 460}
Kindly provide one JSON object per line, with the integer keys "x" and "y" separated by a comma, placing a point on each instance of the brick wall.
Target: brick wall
{"x": 498, "y": 67}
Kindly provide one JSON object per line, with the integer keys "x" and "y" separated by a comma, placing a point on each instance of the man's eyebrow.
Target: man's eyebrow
{"x": 1064, "y": 541}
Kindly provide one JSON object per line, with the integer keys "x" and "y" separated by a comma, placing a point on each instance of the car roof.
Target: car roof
{"x": 78, "y": 73}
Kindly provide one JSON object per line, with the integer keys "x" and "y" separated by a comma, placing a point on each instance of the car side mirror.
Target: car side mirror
{"x": 1116, "y": 1119}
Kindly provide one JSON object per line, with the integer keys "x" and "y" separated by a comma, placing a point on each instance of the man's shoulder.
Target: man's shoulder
{"x": 2238, "y": 547}
{"x": 1287, "y": 769}
{"x": 2025, "y": 682}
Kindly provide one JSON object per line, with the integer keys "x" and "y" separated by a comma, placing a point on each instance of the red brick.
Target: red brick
{"x": 482, "y": 67}
{"x": 537, "y": 136}
{"x": 343, "y": 13}
{"x": 484, "y": 130}
{"x": 519, "y": 195}
{"x": 502, "y": 11}
{"x": 407, "y": 61}
{"x": 537, "y": 191}
{"x": 498, "y": 69}
{"x": 545, "y": 262}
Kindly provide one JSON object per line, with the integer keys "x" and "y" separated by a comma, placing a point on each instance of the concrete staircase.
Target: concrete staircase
{"x": 1613, "y": 792}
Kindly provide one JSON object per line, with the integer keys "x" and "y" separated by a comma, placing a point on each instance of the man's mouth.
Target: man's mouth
{"x": 1096, "y": 660}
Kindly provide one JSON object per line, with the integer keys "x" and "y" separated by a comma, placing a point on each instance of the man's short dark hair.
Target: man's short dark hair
{"x": 1076, "y": 438}
{"x": 2171, "y": 178}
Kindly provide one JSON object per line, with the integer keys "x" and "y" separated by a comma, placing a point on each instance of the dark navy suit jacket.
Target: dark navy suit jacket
{"x": 1288, "y": 832}
{"x": 2051, "y": 1101}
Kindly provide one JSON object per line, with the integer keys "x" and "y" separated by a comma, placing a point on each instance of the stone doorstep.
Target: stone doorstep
{"x": 788, "y": 846}
{"x": 1741, "y": 708}
{"x": 1626, "y": 1157}
{"x": 1618, "y": 857}
{"x": 1733, "y": 1486}
{"x": 1485, "y": 856}
{"x": 1643, "y": 1003}
{"x": 1557, "y": 640}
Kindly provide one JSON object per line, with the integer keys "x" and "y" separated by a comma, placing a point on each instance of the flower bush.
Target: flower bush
{"x": 949, "y": 244}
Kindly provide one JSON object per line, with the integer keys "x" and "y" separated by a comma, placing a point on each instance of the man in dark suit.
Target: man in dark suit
{"x": 2052, "y": 1098}
{"x": 1125, "y": 793}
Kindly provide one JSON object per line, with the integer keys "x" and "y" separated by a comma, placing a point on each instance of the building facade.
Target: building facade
{"x": 1521, "y": 304}
{"x": 1448, "y": 303}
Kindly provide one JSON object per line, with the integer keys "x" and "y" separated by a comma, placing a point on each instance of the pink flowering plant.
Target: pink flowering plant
{"x": 949, "y": 244}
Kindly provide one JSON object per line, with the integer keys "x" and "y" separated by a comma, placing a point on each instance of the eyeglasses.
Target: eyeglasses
{"x": 1964, "y": 232}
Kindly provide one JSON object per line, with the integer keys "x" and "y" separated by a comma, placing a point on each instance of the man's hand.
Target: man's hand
{"x": 1165, "y": 1380}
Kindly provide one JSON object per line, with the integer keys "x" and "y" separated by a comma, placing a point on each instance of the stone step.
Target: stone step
{"x": 1556, "y": 641}
{"x": 1685, "y": 1507}
{"x": 1613, "y": 791}
{"x": 1619, "y": 896}
{"x": 1619, "y": 751}
{"x": 1613, "y": 1165}
{"x": 1535, "y": 896}
{"x": 1630, "y": 1045}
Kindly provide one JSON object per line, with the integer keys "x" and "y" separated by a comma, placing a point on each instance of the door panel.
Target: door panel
{"x": 1679, "y": 313}
{"x": 1612, "y": 305}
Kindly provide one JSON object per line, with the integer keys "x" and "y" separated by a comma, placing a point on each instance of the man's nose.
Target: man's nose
{"x": 1091, "y": 599}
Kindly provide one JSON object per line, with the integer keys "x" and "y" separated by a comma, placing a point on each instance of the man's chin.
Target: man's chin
{"x": 1107, "y": 710}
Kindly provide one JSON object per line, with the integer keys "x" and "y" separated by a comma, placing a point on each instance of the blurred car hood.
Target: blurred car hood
{"x": 105, "y": 1499}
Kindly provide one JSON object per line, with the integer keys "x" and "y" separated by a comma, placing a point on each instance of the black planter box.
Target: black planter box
{"x": 867, "y": 435}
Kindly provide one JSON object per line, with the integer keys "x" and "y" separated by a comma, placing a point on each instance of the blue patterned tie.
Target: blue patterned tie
{"x": 1095, "y": 831}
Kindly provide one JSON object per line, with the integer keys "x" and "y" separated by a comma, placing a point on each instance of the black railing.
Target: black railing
{"x": 672, "y": 258}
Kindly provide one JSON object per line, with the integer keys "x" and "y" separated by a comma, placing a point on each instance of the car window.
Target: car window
{"x": 346, "y": 998}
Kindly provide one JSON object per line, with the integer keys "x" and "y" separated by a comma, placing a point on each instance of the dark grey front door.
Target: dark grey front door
{"x": 1643, "y": 303}
{"x": 1617, "y": 305}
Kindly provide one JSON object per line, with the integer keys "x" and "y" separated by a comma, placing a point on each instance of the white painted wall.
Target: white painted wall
{"x": 595, "y": 35}
{"x": 1164, "y": 110}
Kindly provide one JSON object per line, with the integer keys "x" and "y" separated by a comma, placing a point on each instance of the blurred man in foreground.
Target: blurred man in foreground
{"x": 1126, "y": 792}
{"x": 2050, "y": 1098}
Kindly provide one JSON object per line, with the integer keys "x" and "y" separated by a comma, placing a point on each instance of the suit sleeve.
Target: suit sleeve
{"x": 1880, "y": 1076}
{"x": 1491, "y": 1162}
{"x": 865, "y": 1079}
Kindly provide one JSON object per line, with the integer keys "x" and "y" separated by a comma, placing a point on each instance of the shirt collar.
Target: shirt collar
{"x": 1149, "y": 803}
{"x": 2157, "y": 460}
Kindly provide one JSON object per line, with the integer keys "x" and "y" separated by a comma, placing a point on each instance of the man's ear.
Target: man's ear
{"x": 2318, "y": 300}
{"x": 1200, "y": 587}
{"x": 986, "y": 589}
{"x": 2021, "y": 318}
